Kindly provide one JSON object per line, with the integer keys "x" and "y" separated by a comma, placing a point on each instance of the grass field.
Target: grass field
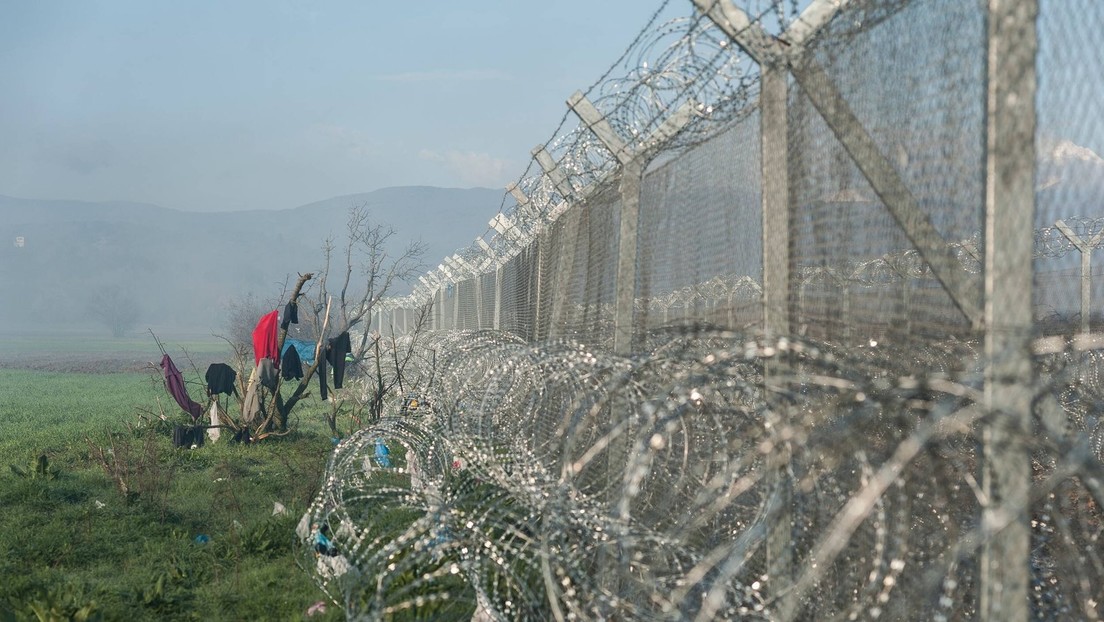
{"x": 100, "y": 343}
{"x": 74, "y": 546}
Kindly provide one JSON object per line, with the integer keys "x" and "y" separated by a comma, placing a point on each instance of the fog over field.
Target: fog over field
{"x": 60, "y": 261}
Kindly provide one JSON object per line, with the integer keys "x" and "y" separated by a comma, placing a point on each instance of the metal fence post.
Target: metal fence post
{"x": 439, "y": 315}
{"x": 541, "y": 240}
{"x": 455, "y": 305}
{"x": 565, "y": 272}
{"x": 776, "y": 312}
{"x": 1009, "y": 219}
{"x": 498, "y": 298}
{"x": 631, "y": 175}
{"x": 1086, "y": 248}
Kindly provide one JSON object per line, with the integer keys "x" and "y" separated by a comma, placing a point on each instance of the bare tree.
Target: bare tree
{"x": 367, "y": 274}
{"x": 387, "y": 360}
{"x": 115, "y": 308}
{"x": 401, "y": 355}
{"x": 354, "y": 278}
{"x": 241, "y": 317}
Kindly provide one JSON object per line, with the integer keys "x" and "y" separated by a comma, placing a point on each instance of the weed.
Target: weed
{"x": 135, "y": 466}
{"x": 270, "y": 537}
{"x": 39, "y": 469}
{"x": 56, "y": 604}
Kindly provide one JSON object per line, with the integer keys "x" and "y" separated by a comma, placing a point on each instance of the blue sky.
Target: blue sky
{"x": 214, "y": 106}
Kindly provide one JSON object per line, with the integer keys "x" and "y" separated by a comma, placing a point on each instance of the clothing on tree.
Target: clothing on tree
{"x": 214, "y": 432}
{"x": 339, "y": 346}
{"x": 291, "y": 315}
{"x": 291, "y": 366}
{"x": 252, "y": 404}
{"x": 266, "y": 374}
{"x": 174, "y": 382}
{"x": 304, "y": 348}
{"x": 220, "y": 379}
{"x": 264, "y": 338}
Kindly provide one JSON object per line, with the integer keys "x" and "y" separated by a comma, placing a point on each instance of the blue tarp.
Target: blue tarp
{"x": 304, "y": 348}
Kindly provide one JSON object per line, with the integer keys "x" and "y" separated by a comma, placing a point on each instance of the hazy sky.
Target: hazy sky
{"x": 213, "y": 106}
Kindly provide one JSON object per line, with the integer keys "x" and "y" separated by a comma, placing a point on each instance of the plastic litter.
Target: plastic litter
{"x": 322, "y": 544}
{"x": 383, "y": 454}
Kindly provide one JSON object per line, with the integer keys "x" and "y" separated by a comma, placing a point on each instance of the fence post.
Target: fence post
{"x": 562, "y": 185}
{"x": 565, "y": 272}
{"x": 498, "y": 280}
{"x": 1009, "y": 219}
{"x": 611, "y": 562}
{"x": 456, "y": 305}
{"x": 1086, "y": 248}
{"x": 775, "y": 200}
{"x": 542, "y": 240}
{"x": 774, "y": 155}
{"x": 439, "y": 315}
{"x": 498, "y": 298}
{"x": 632, "y": 161}
{"x": 846, "y": 307}
{"x": 631, "y": 175}
{"x": 477, "y": 280}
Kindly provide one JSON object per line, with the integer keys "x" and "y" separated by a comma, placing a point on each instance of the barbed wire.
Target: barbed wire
{"x": 1051, "y": 242}
{"x": 536, "y": 479}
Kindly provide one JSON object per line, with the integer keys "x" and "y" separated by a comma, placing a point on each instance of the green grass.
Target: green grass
{"x": 101, "y": 342}
{"x": 47, "y": 412}
{"x": 72, "y": 544}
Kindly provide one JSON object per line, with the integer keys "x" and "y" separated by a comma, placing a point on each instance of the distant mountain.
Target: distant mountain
{"x": 1070, "y": 182}
{"x": 184, "y": 267}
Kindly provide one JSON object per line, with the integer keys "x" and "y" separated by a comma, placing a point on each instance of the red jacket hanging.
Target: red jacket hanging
{"x": 264, "y": 339}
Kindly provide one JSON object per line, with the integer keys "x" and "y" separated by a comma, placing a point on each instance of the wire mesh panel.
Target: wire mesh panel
{"x": 446, "y": 311}
{"x": 488, "y": 299}
{"x": 517, "y": 296}
{"x": 548, "y": 247}
{"x": 467, "y": 299}
{"x": 701, "y": 233}
{"x": 587, "y": 272}
{"x": 922, "y": 101}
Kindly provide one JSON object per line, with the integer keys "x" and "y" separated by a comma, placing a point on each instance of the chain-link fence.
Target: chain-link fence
{"x": 792, "y": 319}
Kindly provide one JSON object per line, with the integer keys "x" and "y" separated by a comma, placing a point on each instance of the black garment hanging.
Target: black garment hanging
{"x": 338, "y": 348}
{"x": 220, "y": 379}
{"x": 323, "y": 390}
{"x": 291, "y": 315}
{"x": 291, "y": 366}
